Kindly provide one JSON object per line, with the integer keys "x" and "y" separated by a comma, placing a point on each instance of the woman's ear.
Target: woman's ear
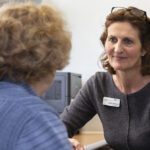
{"x": 143, "y": 52}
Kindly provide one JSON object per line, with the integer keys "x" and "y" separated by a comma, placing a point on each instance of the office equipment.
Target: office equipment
{"x": 64, "y": 88}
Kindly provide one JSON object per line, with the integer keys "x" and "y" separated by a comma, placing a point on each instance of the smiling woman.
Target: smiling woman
{"x": 123, "y": 47}
{"x": 117, "y": 95}
{"x": 139, "y": 23}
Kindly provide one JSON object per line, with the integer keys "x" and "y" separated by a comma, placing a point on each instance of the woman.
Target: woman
{"x": 120, "y": 96}
{"x": 33, "y": 45}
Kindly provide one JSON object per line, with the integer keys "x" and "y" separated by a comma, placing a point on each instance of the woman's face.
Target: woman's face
{"x": 123, "y": 46}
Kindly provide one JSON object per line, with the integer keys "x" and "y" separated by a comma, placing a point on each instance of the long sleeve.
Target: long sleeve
{"x": 80, "y": 111}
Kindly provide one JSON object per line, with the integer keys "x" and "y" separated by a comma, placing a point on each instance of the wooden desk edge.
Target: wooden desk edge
{"x": 89, "y": 138}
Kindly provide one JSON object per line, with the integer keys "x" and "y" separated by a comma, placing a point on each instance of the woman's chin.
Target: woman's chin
{"x": 118, "y": 68}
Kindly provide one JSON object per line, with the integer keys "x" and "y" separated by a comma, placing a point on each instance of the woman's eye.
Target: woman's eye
{"x": 127, "y": 41}
{"x": 112, "y": 39}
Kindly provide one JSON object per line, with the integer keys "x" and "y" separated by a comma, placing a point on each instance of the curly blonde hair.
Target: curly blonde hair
{"x": 33, "y": 41}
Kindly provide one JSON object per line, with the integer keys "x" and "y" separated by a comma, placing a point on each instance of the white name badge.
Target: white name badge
{"x": 108, "y": 101}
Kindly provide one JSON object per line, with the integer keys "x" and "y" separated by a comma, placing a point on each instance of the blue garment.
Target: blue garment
{"x": 28, "y": 123}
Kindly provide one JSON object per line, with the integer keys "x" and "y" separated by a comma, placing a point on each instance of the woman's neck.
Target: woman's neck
{"x": 42, "y": 85}
{"x": 130, "y": 82}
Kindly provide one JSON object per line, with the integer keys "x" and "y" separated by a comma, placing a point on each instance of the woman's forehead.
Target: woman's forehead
{"x": 123, "y": 28}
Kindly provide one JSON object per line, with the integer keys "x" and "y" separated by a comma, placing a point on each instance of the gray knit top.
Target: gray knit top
{"x": 126, "y": 127}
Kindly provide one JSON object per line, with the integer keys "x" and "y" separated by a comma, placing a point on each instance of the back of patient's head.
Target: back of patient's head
{"x": 33, "y": 41}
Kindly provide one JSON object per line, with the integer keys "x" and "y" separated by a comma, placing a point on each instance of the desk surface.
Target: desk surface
{"x": 89, "y": 138}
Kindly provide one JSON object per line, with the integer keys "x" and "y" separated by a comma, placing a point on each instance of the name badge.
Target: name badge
{"x": 108, "y": 101}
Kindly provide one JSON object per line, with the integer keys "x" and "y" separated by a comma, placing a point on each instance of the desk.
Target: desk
{"x": 89, "y": 138}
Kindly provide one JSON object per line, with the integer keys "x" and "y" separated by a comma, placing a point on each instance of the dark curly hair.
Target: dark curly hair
{"x": 33, "y": 41}
{"x": 141, "y": 23}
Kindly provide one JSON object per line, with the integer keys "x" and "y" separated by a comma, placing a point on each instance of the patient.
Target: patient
{"x": 33, "y": 45}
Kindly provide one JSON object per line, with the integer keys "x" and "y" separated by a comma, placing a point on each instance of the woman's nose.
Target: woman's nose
{"x": 118, "y": 47}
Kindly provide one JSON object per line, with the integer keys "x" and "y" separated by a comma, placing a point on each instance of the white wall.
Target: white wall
{"x": 86, "y": 20}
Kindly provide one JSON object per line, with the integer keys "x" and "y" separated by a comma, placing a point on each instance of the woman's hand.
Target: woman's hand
{"x": 76, "y": 145}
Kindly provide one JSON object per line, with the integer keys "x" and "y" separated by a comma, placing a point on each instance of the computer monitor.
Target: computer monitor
{"x": 64, "y": 88}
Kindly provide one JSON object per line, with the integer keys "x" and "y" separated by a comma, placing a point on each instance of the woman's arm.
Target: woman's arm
{"x": 80, "y": 111}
